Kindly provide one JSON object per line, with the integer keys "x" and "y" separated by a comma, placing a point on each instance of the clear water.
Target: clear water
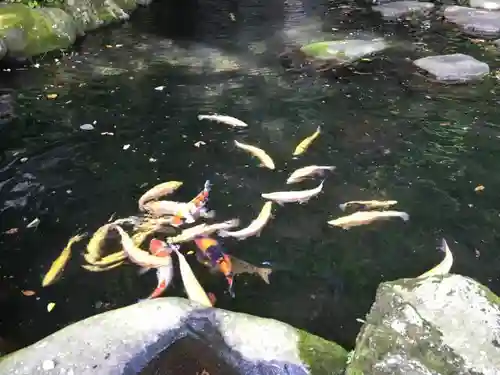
{"x": 390, "y": 135}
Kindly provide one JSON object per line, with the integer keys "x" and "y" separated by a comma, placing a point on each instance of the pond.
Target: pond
{"x": 142, "y": 85}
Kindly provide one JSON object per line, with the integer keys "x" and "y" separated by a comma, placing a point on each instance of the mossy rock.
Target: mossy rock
{"x": 29, "y": 32}
{"x": 175, "y": 336}
{"x": 344, "y": 51}
{"x": 92, "y": 14}
{"x": 437, "y": 325}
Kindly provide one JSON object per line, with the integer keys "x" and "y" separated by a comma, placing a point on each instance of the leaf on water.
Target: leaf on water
{"x": 126, "y": 147}
{"x": 87, "y": 127}
{"x": 190, "y": 252}
{"x": 199, "y": 144}
{"x": 51, "y": 96}
{"x": 159, "y": 88}
{"x": 12, "y": 231}
{"x": 51, "y": 306}
{"x": 28, "y": 293}
{"x": 479, "y": 188}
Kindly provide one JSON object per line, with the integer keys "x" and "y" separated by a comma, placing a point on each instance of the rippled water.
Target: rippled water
{"x": 389, "y": 134}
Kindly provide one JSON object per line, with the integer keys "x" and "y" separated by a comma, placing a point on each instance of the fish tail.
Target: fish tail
{"x": 201, "y": 117}
{"x": 404, "y": 216}
{"x": 264, "y": 274}
{"x": 233, "y": 222}
{"x": 208, "y": 186}
{"x": 443, "y": 246}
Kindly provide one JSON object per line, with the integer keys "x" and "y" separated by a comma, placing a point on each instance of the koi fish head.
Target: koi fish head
{"x": 177, "y": 220}
{"x": 225, "y": 266}
{"x": 204, "y": 243}
{"x": 158, "y": 248}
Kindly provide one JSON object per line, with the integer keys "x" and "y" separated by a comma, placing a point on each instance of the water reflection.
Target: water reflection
{"x": 424, "y": 145}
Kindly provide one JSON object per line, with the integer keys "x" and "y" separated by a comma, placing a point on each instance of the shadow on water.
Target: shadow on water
{"x": 390, "y": 137}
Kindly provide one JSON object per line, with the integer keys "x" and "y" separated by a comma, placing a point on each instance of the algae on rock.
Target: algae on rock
{"x": 179, "y": 337}
{"x": 437, "y": 325}
{"x": 28, "y": 32}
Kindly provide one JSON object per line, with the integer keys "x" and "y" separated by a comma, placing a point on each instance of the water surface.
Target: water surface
{"x": 390, "y": 136}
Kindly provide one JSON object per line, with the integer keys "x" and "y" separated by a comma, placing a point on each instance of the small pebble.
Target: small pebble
{"x": 87, "y": 127}
{"x": 48, "y": 365}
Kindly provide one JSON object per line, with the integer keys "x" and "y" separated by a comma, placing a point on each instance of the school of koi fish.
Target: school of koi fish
{"x": 172, "y": 221}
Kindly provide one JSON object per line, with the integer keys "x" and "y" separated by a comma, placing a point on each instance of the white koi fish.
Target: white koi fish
{"x": 224, "y": 119}
{"x": 305, "y": 172}
{"x": 190, "y": 234}
{"x": 300, "y": 196}
{"x": 259, "y": 153}
{"x": 366, "y": 217}
{"x": 255, "y": 226}
{"x": 368, "y": 204}
{"x": 158, "y": 191}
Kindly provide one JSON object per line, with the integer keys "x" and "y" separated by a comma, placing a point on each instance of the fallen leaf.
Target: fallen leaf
{"x": 12, "y": 231}
{"x": 199, "y": 144}
{"x": 479, "y": 188}
{"x": 126, "y": 147}
{"x": 51, "y": 96}
{"x": 87, "y": 127}
{"x": 190, "y": 252}
{"x": 28, "y": 293}
{"x": 51, "y": 306}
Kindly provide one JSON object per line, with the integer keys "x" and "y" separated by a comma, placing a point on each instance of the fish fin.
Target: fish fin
{"x": 303, "y": 201}
{"x": 189, "y": 219}
{"x": 143, "y": 270}
{"x": 257, "y": 234}
{"x": 264, "y": 274}
{"x": 343, "y": 206}
{"x": 207, "y": 214}
{"x": 280, "y": 203}
{"x": 223, "y": 233}
{"x": 207, "y": 186}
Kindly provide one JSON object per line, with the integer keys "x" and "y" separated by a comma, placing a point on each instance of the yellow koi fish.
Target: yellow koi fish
{"x": 366, "y": 217}
{"x": 158, "y": 191}
{"x": 57, "y": 267}
{"x": 259, "y": 153}
{"x": 444, "y": 267}
{"x": 304, "y": 145}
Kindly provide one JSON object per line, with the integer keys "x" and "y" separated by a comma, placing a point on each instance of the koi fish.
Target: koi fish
{"x": 255, "y": 226}
{"x": 305, "y": 172}
{"x": 300, "y": 196}
{"x": 163, "y": 208}
{"x": 366, "y": 217}
{"x": 96, "y": 244}
{"x": 228, "y": 120}
{"x": 444, "y": 266}
{"x": 368, "y": 204}
{"x": 138, "y": 256}
{"x": 190, "y": 234}
{"x": 304, "y": 144}
{"x": 240, "y": 267}
{"x": 194, "y": 208}
{"x": 164, "y": 274}
{"x": 193, "y": 288}
{"x": 158, "y": 191}
{"x": 212, "y": 251}
{"x": 57, "y": 267}
{"x": 259, "y": 153}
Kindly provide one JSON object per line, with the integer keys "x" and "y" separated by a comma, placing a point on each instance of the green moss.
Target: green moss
{"x": 320, "y": 50}
{"x": 490, "y": 296}
{"x": 323, "y": 357}
{"x": 29, "y": 32}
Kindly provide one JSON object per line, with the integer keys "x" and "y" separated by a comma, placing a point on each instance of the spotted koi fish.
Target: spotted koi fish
{"x": 212, "y": 254}
{"x": 194, "y": 209}
{"x": 164, "y": 274}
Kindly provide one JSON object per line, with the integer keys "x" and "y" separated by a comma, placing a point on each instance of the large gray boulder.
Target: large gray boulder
{"x": 399, "y": 10}
{"x": 170, "y": 336}
{"x": 474, "y": 22}
{"x": 434, "y": 326}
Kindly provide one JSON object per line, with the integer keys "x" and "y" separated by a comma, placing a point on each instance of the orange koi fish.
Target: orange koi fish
{"x": 211, "y": 253}
{"x": 194, "y": 209}
{"x": 163, "y": 274}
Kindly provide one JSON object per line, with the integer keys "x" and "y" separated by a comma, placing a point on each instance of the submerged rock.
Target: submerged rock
{"x": 28, "y": 32}
{"x": 344, "y": 51}
{"x": 91, "y": 14}
{"x": 402, "y": 9}
{"x": 485, "y": 4}
{"x": 455, "y": 68}
{"x": 174, "y": 336}
{"x": 475, "y": 22}
{"x": 3, "y": 49}
{"x": 432, "y": 326}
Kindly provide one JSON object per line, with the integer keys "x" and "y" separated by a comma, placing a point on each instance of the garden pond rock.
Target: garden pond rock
{"x": 454, "y": 68}
{"x": 178, "y": 337}
{"x": 344, "y": 51}
{"x": 401, "y": 9}
{"x": 28, "y": 32}
{"x": 439, "y": 325}
{"x": 485, "y": 4}
{"x": 474, "y": 22}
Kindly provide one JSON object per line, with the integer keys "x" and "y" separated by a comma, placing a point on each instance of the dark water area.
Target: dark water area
{"x": 391, "y": 136}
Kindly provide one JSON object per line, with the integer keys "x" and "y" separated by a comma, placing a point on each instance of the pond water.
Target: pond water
{"x": 390, "y": 136}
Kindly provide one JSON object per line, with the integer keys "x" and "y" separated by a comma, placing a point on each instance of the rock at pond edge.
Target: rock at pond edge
{"x": 125, "y": 340}
{"x": 453, "y": 68}
{"x": 29, "y": 32}
{"x": 438, "y": 325}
